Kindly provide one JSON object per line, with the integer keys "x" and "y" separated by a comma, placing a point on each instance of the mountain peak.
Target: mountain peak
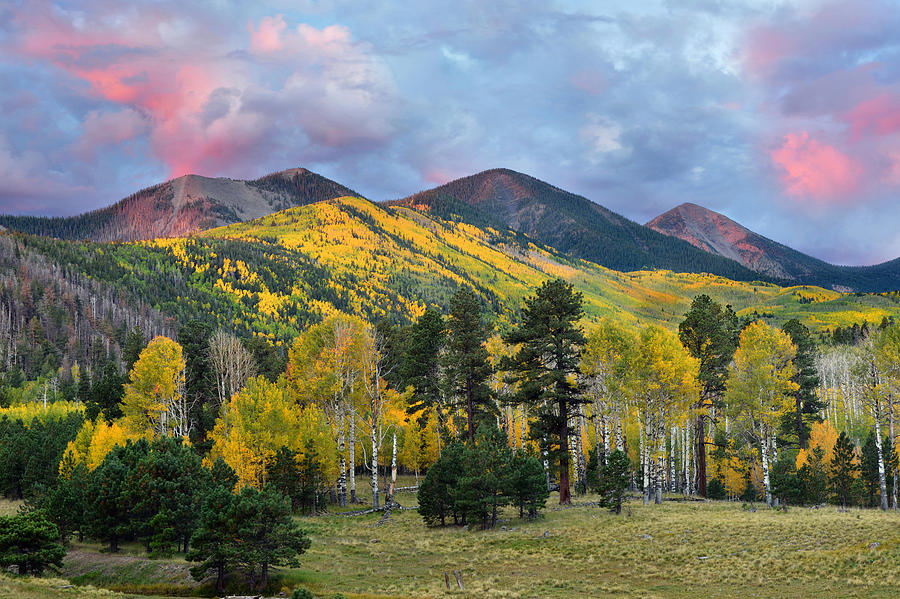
{"x": 718, "y": 234}
{"x": 187, "y": 204}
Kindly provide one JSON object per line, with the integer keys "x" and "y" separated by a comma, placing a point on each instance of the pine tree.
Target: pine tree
{"x": 481, "y": 490}
{"x": 213, "y": 542}
{"x": 266, "y": 533}
{"x": 283, "y": 474}
{"x": 420, "y": 366}
{"x": 806, "y": 405}
{"x": 527, "y": 485}
{"x": 844, "y": 468}
{"x": 710, "y": 334}
{"x": 30, "y": 542}
{"x": 466, "y": 362}
{"x": 435, "y": 495}
{"x": 614, "y": 477}
{"x": 546, "y": 367}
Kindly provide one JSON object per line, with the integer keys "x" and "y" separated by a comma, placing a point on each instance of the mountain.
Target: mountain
{"x": 273, "y": 276}
{"x": 186, "y": 205}
{"x": 721, "y": 236}
{"x": 502, "y": 198}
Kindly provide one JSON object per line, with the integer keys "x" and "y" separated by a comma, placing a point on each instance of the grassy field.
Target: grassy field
{"x": 677, "y": 550}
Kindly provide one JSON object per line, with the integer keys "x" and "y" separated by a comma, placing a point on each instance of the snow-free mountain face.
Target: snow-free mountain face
{"x": 719, "y": 235}
{"x": 572, "y": 224}
{"x": 187, "y": 205}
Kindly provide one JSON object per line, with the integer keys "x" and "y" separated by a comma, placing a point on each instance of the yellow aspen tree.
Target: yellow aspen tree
{"x": 154, "y": 404}
{"x": 665, "y": 384}
{"x": 759, "y": 387}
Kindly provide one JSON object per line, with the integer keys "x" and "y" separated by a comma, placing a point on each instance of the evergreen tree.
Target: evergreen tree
{"x": 481, "y": 490}
{"x": 871, "y": 487}
{"x": 814, "y": 477}
{"x": 266, "y": 533}
{"x": 269, "y": 361}
{"x": 527, "y": 485}
{"x": 64, "y": 503}
{"x": 106, "y": 515}
{"x": 806, "y": 405}
{"x": 421, "y": 364}
{"x": 710, "y": 333}
{"x": 311, "y": 478}
{"x": 199, "y": 392}
{"x": 787, "y": 484}
{"x": 546, "y": 368}
{"x": 161, "y": 490}
{"x": 435, "y": 495}
{"x": 213, "y": 543}
{"x": 843, "y": 469}
{"x": 134, "y": 344}
{"x": 283, "y": 474}
{"x": 30, "y": 542}
{"x": 107, "y": 394}
{"x": 466, "y": 362}
{"x": 614, "y": 477}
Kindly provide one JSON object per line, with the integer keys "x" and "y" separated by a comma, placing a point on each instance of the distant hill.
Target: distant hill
{"x": 719, "y": 235}
{"x": 185, "y": 205}
{"x": 502, "y": 198}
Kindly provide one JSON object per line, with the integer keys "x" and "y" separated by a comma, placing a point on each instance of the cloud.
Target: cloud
{"x": 770, "y": 112}
{"x": 816, "y": 170}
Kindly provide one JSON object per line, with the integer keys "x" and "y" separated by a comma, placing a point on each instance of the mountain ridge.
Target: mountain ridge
{"x": 717, "y": 234}
{"x": 185, "y": 205}
{"x": 570, "y": 223}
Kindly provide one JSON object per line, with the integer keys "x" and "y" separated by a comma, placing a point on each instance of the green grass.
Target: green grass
{"x": 677, "y": 550}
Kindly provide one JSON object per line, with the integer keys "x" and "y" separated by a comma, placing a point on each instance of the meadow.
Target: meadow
{"x": 677, "y": 550}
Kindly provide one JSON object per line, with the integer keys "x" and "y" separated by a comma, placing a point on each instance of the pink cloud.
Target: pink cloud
{"x": 815, "y": 170}
{"x": 267, "y": 37}
{"x": 879, "y": 115}
{"x": 203, "y": 107}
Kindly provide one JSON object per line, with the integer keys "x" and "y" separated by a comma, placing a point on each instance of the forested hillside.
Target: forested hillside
{"x": 275, "y": 275}
{"x": 53, "y": 317}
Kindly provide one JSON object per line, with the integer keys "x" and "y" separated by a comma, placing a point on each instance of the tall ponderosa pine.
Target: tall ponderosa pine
{"x": 806, "y": 404}
{"x": 466, "y": 362}
{"x": 710, "y": 333}
{"x": 546, "y": 368}
{"x": 420, "y": 367}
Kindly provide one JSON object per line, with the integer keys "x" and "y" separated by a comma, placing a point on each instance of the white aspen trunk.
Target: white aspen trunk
{"x": 892, "y": 444}
{"x": 607, "y": 441}
{"x": 644, "y": 470}
{"x": 352, "y": 472}
{"x": 390, "y": 497}
{"x": 597, "y": 438}
{"x": 342, "y": 478}
{"x": 765, "y": 466}
{"x": 672, "y": 482}
{"x": 882, "y": 483}
{"x": 620, "y": 444}
{"x": 660, "y": 446}
{"x": 522, "y": 429}
{"x": 374, "y": 466}
{"x": 582, "y": 459}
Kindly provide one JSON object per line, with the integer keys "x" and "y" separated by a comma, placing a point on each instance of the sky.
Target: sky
{"x": 783, "y": 115}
